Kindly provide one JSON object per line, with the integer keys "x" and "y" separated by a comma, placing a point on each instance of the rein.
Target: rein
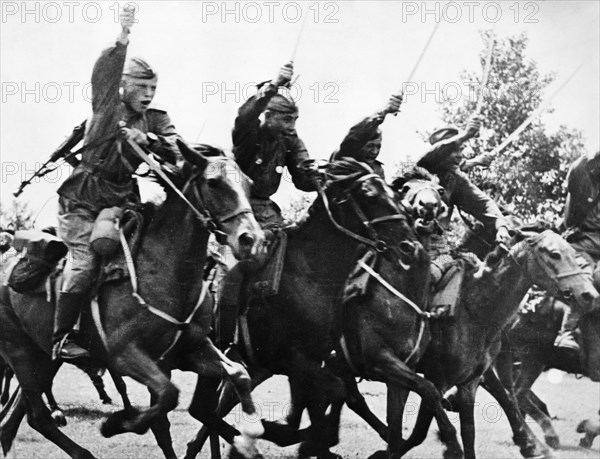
{"x": 532, "y": 242}
{"x": 423, "y": 315}
{"x": 181, "y": 325}
{"x": 207, "y": 222}
{"x": 375, "y": 242}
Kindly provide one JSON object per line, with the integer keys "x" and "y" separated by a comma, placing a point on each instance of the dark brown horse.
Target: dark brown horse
{"x": 461, "y": 350}
{"x": 295, "y": 331}
{"x": 385, "y": 326}
{"x": 530, "y": 340}
{"x": 138, "y": 330}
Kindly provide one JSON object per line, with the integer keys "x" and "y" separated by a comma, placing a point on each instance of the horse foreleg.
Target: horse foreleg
{"x": 121, "y": 389}
{"x": 56, "y": 413}
{"x": 523, "y": 436}
{"x": 11, "y": 416}
{"x": 321, "y": 388}
{"x": 7, "y": 376}
{"x": 393, "y": 371}
{"x": 210, "y": 362}
{"x": 133, "y": 362}
{"x": 528, "y": 407}
{"x": 531, "y": 369}
{"x": 202, "y": 407}
{"x": 357, "y": 403}
{"x": 38, "y": 417}
{"x": 466, "y": 401}
{"x": 161, "y": 429}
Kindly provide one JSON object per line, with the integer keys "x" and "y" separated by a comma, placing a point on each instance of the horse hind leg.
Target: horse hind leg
{"x": 98, "y": 383}
{"x": 523, "y": 436}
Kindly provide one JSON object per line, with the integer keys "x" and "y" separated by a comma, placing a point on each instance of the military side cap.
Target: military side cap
{"x": 138, "y": 68}
{"x": 443, "y": 134}
{"x": 282, "y": 104}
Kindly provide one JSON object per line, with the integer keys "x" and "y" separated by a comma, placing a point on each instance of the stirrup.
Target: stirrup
{"x": 68, "y": 351}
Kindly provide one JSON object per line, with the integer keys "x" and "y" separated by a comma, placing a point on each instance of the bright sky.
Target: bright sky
{"x": 351, "y": 56}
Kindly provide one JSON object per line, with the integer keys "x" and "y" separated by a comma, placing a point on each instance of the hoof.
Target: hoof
{"x": 586, "y": 442}
{"x": 59, "y": 418}
{"x": 552, "y": 441}
{"x": 453, "y": 453}
{"x": 244, "y": 448}
{"x": 107, "y": 401}
{"x": 121, "y": 422}
{"x": 113, "y": 425}
{"x": 379, "y": 455}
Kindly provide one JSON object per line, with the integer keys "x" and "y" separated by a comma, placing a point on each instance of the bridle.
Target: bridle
{"x": 373, "y": 240}
{"x": 532, "y": 242}
{"x": 213, "y": 224}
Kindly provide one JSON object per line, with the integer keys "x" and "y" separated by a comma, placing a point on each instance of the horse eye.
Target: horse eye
{"x": 441, "y": 192}
{"x": 555, "y": 255}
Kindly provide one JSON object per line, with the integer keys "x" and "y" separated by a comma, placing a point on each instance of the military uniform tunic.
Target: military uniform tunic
{"x": 263, "y": 157}
{"x": 104, "y": 176}
{"x": 358, "y": 136}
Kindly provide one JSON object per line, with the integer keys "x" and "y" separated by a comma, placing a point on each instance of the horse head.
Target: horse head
{"x": 361, "y": 205}
{"x": 421, "y": 195}
{"x": 553, "y": 264}
{"x": 219, "y": 187}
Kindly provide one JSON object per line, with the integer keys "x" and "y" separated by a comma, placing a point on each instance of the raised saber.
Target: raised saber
{"x": 297, "y": 44}
{"x": 486, "y": 72}
{"x": 529, "y": 120}
{"x": 416, "y": 66}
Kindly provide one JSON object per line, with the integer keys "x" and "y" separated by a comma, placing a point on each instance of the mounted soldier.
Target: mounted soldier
{"x": 444, "y": 159}
{"x": 263, "y": 150}
{"x": 582, "y": 220}
{"x": 121, "y": 95}
{"x": 363, "y": 141}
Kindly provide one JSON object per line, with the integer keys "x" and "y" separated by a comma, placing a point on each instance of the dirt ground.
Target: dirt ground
{"x": 568, "y": 398}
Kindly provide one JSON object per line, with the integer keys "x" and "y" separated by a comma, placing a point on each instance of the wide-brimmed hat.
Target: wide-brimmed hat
{"x": 443, "y": 134}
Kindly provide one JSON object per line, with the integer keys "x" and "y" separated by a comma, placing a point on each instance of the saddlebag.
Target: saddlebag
{"x": 39, "y": 252}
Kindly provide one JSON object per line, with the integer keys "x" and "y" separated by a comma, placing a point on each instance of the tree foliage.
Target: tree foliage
{"x": 15, "y": 217}
{"x": 528, "y": 176}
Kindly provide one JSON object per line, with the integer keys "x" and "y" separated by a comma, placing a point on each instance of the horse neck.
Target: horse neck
{"x": 495, "y": 298}
{"x": 324, "y": 247}
{"x": 177, "y": 239}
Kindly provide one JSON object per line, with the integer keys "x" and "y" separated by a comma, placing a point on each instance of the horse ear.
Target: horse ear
{"x": 518, "y": 235}
{"x": 191, "y": 155}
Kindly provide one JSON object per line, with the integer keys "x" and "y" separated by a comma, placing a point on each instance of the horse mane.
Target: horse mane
{"x": 539, "y": 227}
{"x": 346, "y": 169}
{"x": 416, "y": 173}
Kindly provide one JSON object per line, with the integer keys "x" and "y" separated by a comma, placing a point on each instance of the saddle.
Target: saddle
{"x": 447, "y": 292}
{"x": 263, "y": 278}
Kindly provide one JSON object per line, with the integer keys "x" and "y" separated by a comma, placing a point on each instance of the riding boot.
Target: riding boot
{"x": 226, "y": 317}
{"x": 567, "y": 336}
{"x": 65, "y": 317}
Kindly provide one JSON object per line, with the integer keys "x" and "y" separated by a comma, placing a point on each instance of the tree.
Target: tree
{"x": 17, "y": 217}
{"x": 527, "y": 177}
